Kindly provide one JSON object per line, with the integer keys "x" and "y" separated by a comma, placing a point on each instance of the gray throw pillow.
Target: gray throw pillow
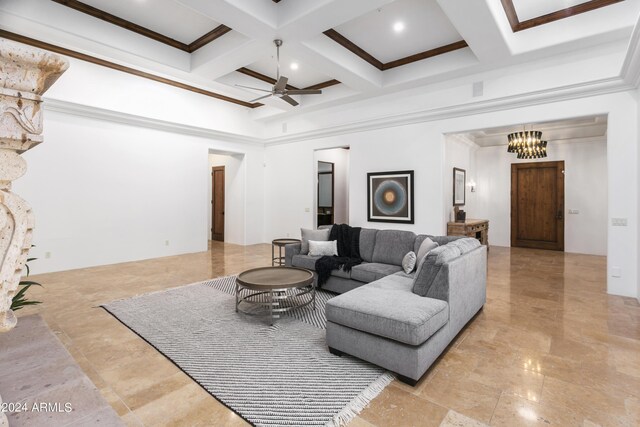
{"x": 315, "y": 235}
{"x": 426, "y": 246}
{"x": 430, "y": 266}
{"x": 409, "y": 262}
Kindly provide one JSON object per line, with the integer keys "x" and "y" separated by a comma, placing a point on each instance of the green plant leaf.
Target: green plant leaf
{"x": 28, "y": 283}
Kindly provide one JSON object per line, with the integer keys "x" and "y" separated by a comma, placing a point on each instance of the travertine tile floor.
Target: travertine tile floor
{"x": 550, "y": 347}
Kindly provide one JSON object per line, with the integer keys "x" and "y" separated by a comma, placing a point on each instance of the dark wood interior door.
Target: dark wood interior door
{"x": 537, "y": 205}
{"x": 217, "y": 203}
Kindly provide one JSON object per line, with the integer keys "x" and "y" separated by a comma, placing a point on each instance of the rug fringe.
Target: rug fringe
{"x": 359, "y": 402}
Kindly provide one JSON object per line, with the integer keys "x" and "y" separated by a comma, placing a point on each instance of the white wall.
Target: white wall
{"x": 421, "y": 147}
{"x": 92, "y": 85}
{"x": 462, "y": 155}
{"x": 234, "y": 192}
{"x": 290, "y": 175}
{"x": 585, "y": 190}
{"x": 105, "y": 192}
{"x": 340, "y": 159}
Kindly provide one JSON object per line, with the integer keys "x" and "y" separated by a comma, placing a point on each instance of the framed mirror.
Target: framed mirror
{"x": 459, "y": 180}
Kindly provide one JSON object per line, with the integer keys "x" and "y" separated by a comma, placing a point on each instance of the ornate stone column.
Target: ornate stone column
{"x": 25, "y": 74}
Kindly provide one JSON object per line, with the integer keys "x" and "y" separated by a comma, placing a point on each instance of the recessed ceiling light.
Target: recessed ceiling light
{"x": 294, "y": 65}
{"x": 398, "y": 27}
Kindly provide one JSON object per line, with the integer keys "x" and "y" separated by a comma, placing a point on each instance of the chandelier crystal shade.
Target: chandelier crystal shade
{"x": 528, "y": 139}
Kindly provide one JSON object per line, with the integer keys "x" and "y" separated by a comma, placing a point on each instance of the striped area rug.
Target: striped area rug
{"x": 280, "y": 375}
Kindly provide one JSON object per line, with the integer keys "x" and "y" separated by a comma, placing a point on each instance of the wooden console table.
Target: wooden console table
{"x": 477, "y": 228}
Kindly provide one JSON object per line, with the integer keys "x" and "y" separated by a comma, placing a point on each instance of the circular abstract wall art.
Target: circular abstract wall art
{"x": 390, "y": 197}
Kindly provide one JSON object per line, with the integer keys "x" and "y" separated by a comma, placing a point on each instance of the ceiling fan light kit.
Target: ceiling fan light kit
{"x": 279, "y": 89}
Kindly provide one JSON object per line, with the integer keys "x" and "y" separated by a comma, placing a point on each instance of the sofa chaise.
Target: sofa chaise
{"x": 400, "y": 321}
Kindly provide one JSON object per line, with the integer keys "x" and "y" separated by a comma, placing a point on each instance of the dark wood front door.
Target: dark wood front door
{"x": 217, "y": 203}
{"x": 537, "y": 205}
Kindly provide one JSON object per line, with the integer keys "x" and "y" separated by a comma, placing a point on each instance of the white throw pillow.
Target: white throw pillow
{"x": 329, "y": 248}
{"x": 409, "y": 262}
{"x": 317, "y": 235}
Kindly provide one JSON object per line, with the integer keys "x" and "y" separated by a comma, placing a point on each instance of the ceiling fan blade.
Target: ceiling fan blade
{"x": 304, "y": 92}
{"x": 281, "y": 84}
{"x": 289, "y": 99}
{"x": 254, "y": 88}
{"x": 262, "y": 97}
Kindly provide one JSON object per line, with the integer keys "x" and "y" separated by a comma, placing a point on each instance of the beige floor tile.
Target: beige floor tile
{"x": 517, "y": 411}
{"x": 454, "y": 419}
{"x": 465, "y": 396}
{"x": 396, "y": 407}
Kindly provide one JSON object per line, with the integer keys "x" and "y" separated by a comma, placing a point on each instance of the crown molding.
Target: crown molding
{"x": 602, "y": 87}
{"x": 569, "y": 92}
{"x": 140, "y": 121}
{"x": 631, "y": 65}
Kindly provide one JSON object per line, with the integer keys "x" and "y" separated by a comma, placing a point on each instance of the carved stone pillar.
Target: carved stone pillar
{"x": 25, "y": 74}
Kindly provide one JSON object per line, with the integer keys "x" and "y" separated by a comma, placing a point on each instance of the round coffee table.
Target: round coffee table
{"x": 274, "y": 289}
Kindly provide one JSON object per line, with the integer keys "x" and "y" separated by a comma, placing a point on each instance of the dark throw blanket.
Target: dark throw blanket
{"x": 348, "y": 252}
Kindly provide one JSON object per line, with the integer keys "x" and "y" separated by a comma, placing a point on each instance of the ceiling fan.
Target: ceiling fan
{"x": 280, "y": 88}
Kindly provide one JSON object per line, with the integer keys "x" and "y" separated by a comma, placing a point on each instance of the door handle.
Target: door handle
{"x": 559, "y": 214}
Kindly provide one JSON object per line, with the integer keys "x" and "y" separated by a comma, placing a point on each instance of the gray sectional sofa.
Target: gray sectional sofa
{"x": 400, "y": 321}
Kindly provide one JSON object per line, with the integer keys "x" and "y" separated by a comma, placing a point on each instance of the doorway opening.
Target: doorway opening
{"x": 226, "y": 197}
{"x": 556, "y": 203}
{"x": 331, "y": 192}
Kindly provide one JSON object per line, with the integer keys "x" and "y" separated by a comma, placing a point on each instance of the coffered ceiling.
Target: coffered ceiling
{"x": 354, "y": 49}
{"x": 400, "y": 29}
{"x": 162, "y": 16}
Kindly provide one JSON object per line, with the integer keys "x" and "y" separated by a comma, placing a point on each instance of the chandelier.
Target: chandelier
{"x": 527, "y": 144}
{"x": 534, "y": 152}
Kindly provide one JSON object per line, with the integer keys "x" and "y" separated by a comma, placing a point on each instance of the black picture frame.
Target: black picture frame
{"x": 459, "y": 186}
{"x": 390, "y": 197}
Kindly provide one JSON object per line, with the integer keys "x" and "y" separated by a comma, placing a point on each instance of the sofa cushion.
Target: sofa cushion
{"x": 399, "y": 281}
{"x": 305, "y": 261}
{"x": 367, "y": 243}
{"x": 370, "y": 271}
{"x": 399, "y": 315}
{"x": 466, "y": 244}
{"x": 317, "y": 235}
{"x": 309, "y": 262}
{"x": 431, "y": 266}
{"x": 392, "y": 245}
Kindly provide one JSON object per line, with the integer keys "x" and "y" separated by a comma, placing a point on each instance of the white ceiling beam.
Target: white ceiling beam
{"x": 477, "y": 24}
{"x": 254, "y": 19}
{"x": 304, "y": 19}
{"x": 331, "y": 59}
{"x": 227, "y": 54}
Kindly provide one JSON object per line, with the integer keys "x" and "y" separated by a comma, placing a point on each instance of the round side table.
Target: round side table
{"x": 280, "y": 243}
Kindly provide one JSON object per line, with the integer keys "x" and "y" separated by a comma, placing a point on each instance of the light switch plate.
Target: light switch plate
{"x": 619, "y": 222}
{"x": 616, "y": 272}
{"x": 574, "y": 211}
